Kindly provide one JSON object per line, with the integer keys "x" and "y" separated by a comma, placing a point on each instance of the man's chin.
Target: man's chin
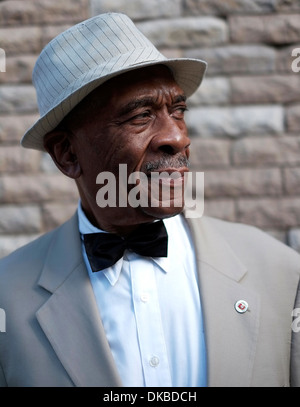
{"x": 162, "y": 212}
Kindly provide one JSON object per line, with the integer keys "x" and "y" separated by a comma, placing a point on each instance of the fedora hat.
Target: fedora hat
{"x": 85, "y": 56}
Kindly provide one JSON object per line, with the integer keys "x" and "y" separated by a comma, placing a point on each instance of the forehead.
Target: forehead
{"x": 139, "y": 82}
{"x": 107, "y": 100}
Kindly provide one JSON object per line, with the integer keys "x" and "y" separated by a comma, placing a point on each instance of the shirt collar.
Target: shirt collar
{"x": 112, "y": 273}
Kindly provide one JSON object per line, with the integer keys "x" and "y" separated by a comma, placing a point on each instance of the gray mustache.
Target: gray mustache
{"x": 167, "y": 162}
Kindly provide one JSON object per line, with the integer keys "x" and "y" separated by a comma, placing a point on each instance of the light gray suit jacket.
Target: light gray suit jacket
{"x": 54, "y": 335}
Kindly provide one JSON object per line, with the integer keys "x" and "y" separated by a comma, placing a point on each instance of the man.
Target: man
{"x": 209, "y": 306}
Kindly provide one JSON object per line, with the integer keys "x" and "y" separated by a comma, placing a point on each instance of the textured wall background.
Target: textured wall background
{"x": 244, "y": 122}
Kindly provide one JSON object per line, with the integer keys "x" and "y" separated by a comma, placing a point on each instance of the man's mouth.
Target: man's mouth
{"x": 173, "y": 177}
{"x": 168, "y": 167}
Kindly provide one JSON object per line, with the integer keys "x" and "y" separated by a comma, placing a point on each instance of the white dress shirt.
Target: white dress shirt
{"x": 151, "y": 312}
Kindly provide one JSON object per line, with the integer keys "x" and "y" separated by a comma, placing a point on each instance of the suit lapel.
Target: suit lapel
{"x": 70, "y": 317}
{"x": 231, "y": 337}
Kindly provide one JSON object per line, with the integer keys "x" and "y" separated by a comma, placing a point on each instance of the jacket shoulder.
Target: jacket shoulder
{"x": 251, "y": 243}
{"x": 234, "y": 230}
{"x": 32, "y": 255}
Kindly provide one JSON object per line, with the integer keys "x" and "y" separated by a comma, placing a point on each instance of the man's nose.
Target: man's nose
{"x": 171, "y": 137}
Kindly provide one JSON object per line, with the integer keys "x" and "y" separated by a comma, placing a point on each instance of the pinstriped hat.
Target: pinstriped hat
{"x": 85, "y": 56}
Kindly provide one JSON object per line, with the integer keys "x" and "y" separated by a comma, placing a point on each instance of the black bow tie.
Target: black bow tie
{"x": 105, "y": 249}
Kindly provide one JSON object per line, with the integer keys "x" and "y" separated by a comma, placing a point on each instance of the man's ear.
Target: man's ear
{"x": 57, "y": 143}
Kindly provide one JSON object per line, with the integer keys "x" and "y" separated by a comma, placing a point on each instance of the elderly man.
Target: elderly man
{"x": 137, "y": 295}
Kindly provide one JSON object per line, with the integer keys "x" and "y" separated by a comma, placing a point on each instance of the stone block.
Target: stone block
{"x": 17, "y": 99}
{"x": 18, "y": 69}
{"x": 242, "y": 182}
{"x": 228, "y": 7}
{"x": 208, "y": 153}
{"x": 54, "y": 214}
{"x": 270, "y": 29}
{"x": 14, "y": 126}
{"x": 137, "y": 9}
{"x": 282, "y": 88}
{"x": 290, "y": 149}
{"x": 235, "y": 121}
{"x": 57, "y": 12}
{"x": 16, "y": 13}
{"x": 288, "y": 5}
{"x": 14, "y": 159}
{"x": 293, "y": 118}
{"x": 276, "y": 213}
{"x": 16, "y": 219}
{"x": 291, "y": 180}
{"x": 256, "y": 151}
{"x": 220, "y": 208}
{"x": 186, "y": 32}
{"x": 21, "y": 40}
{"x": 285, "y": 58}
{"x": 171, "y": 52}
{"x": 230, "y": 59}
{"x": 37, "y": 188}
{"x": 264, "y": 151}
{"x": 213, "y": 91}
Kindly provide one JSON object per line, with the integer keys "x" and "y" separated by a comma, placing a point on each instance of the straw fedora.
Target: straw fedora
{"x": 85, "y": 56}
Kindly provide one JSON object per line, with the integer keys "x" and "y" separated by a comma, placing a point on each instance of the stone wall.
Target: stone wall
{"x": 244, "y": 121}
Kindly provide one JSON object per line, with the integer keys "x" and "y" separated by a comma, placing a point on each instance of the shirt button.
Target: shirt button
{"x": 145, "y": 297}
{"x": 154, "y": 361}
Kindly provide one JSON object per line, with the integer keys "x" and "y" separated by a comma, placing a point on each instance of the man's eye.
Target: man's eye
{"x": 178, "y": 112}
{"x": 141, "y": 117}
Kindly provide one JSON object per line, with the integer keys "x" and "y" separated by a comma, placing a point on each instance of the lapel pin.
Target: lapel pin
{"x": 241, "y": 306}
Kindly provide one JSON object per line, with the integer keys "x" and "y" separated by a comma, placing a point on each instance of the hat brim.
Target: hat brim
{"x": 188, "y": 73}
